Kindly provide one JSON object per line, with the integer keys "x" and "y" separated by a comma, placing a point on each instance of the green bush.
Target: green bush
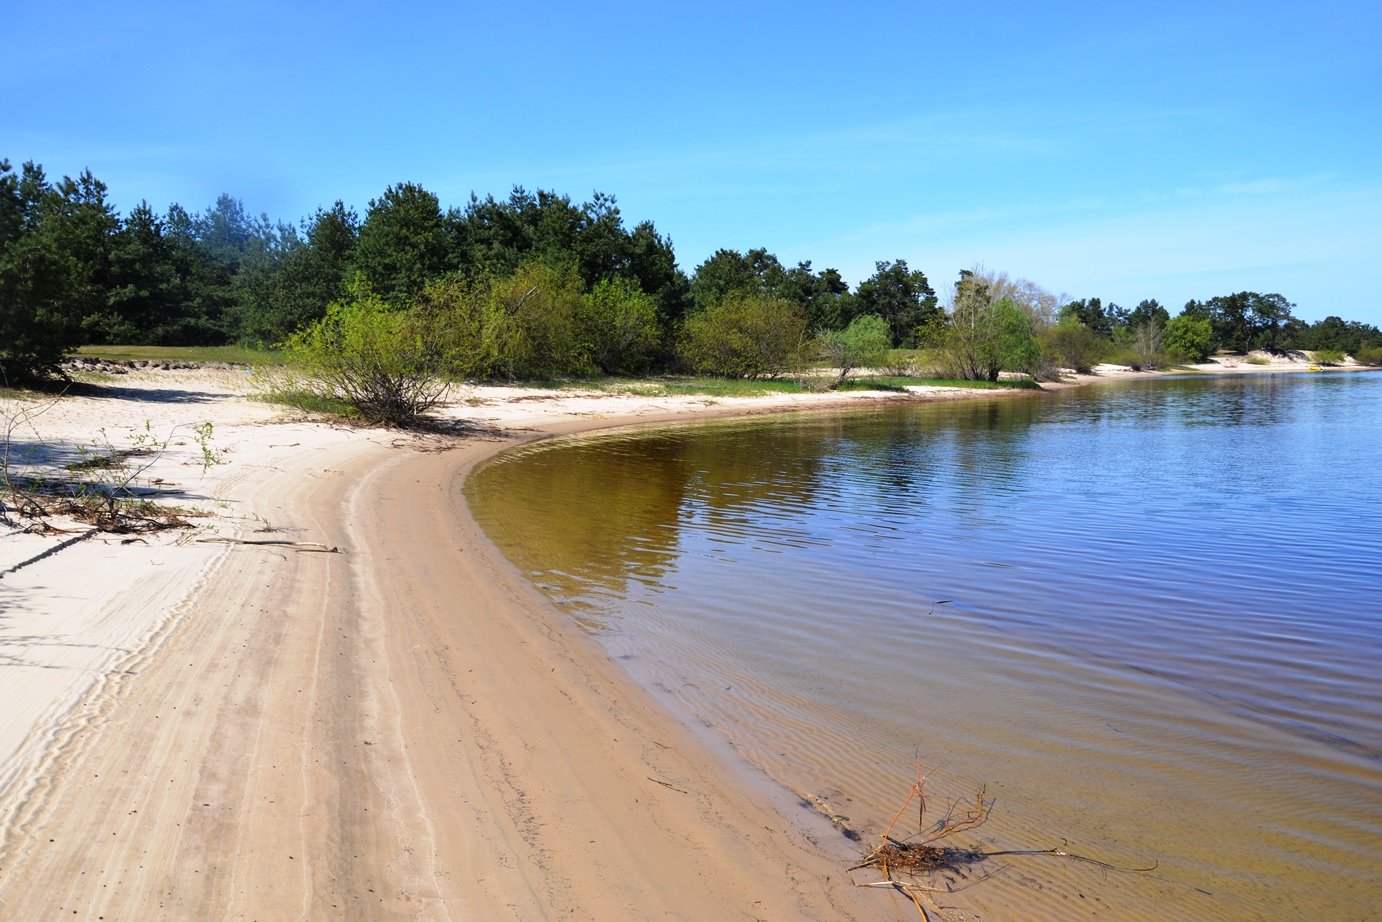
{"x": 984, "y": 337}
{"x": 618, "y": 325}
{"x": 745, "y": 336}
{"x": 865, "y": 343}
{"x": 1370, "y": 356}
{"x": 1071, "y": 344}
{"x": 389, "y": 366}
{"x": 1328, "y": 356}
{"x": 1188, "y": 339}
{"x": 531, "y": 325}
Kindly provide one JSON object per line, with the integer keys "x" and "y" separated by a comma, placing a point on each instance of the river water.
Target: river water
{"x": 1145, "y": 617}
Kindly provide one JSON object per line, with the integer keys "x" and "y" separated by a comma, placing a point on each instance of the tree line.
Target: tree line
{"x": 537, "y": 285}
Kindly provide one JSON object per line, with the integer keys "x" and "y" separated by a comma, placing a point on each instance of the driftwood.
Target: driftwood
{"x": 310, "y": 546}
{"x": 922, "y": 864}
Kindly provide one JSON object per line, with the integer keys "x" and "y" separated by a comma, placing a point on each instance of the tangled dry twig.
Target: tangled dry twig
{"x": 921, "y": 863}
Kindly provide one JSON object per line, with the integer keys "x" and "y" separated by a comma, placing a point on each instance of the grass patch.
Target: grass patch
{"x": 902, "y": 382}
{"x": 694, "y": 386}
{"x": 240, "y": 355}
{"x": 671, "y": 386}
{"x": 728, "y": 387}
{"x": 308, "y": 401}
{"x": 1256, "y": 360}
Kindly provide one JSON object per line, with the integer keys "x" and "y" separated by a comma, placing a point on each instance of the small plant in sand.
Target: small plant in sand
{"x": 18, "y": 498}
{"x": 927, "y": 862}
{"x": 105, "y": 488}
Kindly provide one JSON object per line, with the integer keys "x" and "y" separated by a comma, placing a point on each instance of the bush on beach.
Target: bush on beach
{"x": 389, "y": 366}
{"x": 745, "y": 336}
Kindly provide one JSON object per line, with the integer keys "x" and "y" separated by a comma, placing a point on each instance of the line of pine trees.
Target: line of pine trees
{"x": 74, "y": 272}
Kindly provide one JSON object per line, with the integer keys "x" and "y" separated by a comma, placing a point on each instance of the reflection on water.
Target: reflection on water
{"x": 1146, "y": 615}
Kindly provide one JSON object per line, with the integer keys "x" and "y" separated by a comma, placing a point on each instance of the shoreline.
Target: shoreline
{"x": 249, "y": 731}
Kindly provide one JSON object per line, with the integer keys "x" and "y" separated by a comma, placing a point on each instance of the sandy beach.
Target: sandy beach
{"x": 330, "y": 697}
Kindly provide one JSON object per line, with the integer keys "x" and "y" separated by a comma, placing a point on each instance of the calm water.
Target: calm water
{"x": 1147, "y": 616}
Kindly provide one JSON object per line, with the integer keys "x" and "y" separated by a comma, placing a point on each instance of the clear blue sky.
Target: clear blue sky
{"x": 1170, "y": 150}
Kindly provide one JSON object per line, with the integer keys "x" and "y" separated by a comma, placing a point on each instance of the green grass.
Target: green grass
{"x": 692, "y": 386}
{"x": 241, "y": 355}
{"x": 897, "y": 383}
{"x": 308, "y": 401}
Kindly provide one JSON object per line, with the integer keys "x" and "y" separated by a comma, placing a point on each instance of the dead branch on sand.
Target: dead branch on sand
{"x": 312, "y": 546}
{"x": 921, "y": 864}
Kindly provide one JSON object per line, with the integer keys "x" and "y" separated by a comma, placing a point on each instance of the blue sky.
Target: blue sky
{"x": 1170, "y": 151}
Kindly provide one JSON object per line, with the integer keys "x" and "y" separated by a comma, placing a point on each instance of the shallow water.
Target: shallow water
{"x": 1146, "y": 615}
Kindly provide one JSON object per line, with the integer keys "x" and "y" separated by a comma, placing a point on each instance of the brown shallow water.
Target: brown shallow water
{"x": 1145, "y": 617}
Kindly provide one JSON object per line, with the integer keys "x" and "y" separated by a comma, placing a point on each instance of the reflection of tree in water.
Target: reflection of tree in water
{"x": 906, "y": 459}
{"x": 591, "y": 514}
{"x": 583, "y": 513}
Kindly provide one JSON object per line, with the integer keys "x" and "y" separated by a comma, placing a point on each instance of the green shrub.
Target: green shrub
{"x": 984, "y": 337}
{"x": 1369, "y": 356}
{"x": 389, "y": 366}
{"x": 865, "y": 343}
{"x": 745, "y": 336}
{"x": 1188, "y": 339}
{"x": 618, "y": 325}
{"x": 531, "y": 324}
{"x": 1328, "y": 356}
{"x": 1071, "y": 344}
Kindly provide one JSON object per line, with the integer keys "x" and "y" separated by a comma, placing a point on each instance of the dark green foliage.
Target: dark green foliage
{"x": 299, "y": 279}
{"x": 72, "y": 272}
{"x": 1149, "y": 311}
{"x": 146, "y": 290}
{"x": 824, "y": 296}
{"x": 653, "y": 265}
{"x": 1335, "y": 333}
{"x": 403, "y": 243}
{"x": 54, "y": 266}
{"x": 205, "y": 282}
{"x": 1090, "y": 313}
{"x": 902, "y": 297}
{"x": 729, "y": 273}
{"x": 1247, "y": 320}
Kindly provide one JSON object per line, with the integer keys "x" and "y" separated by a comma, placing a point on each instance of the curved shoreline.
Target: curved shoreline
{"x": 279, "y": 742}
{"x": 403, "y": 729}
